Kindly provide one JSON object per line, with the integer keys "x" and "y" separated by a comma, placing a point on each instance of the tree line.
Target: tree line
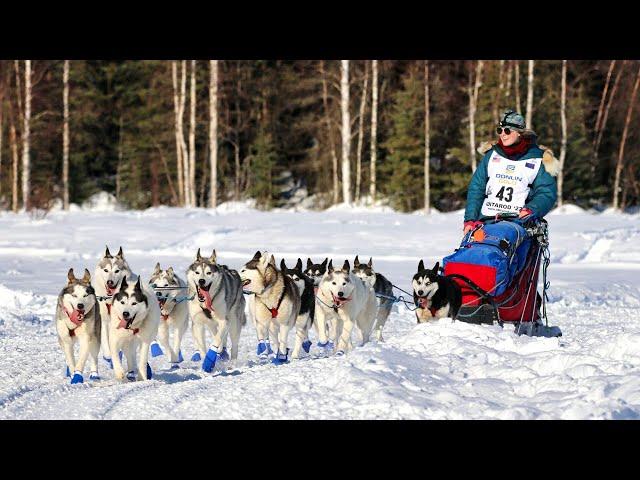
{"x": 199, "y": 132}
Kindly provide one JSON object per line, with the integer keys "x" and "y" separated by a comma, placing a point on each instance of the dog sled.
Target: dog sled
{"x": 497, "y": 267}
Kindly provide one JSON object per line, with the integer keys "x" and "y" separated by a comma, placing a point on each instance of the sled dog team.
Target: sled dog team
{"x": 114, "y": 309}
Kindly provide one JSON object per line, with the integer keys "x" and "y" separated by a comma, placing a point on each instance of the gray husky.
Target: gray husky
{"x": 107, "y": 278}
{"x": 383, "y": 289}
{"x": 173, "y": 312}
{"x": 216, "y": 301}
{"x": 78, "y": 320}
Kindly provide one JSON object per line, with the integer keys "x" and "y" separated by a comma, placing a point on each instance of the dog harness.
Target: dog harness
{"x": 508, "y": 184}
{"x": 274, "y": 311}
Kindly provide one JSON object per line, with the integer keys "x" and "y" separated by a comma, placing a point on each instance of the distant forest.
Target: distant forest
{"x": 202, "y": 132}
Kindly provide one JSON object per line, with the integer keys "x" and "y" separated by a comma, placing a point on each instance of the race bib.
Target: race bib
{"x": 509, "y": 184}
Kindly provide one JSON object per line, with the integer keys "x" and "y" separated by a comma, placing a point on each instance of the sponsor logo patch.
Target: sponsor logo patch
{"x": 529, "y": 165}
{"x": 511, "y": 168}
{"x": 495, "y": 159}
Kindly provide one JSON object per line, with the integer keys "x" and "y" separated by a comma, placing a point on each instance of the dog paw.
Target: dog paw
{"x": 339, "y": 353}
{"x": 156, "y": 351}
{"x": 269, "y": 351}
{"x": 209, "y": 360}
{"x": 149, "y": 372}
{"x": 306, "y": 346}
{"x": 67, "y": 373}
{"x": 94, "y": 376}
{"x": 109, "y": 362}
{"x": 261, "y": 349}
{"x": 180, "y": 359}
{"x": 77, "y": 378}
{"x": 174, "y": 366}
{"x": 224, "y": 355}
{"x": 281, "y": 358}
{"x": 196, "y": 357}
{"x": 131, "y": 376}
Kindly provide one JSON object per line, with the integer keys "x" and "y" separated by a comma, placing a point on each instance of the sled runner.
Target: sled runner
{"x": 497, "y": 267}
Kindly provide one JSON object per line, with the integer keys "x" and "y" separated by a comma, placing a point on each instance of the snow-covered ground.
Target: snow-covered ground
{"x": 438, "y": 370}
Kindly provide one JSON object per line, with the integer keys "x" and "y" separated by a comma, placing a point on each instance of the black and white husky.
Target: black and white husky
{"x": 383, "y": 289}
{"x": 307, "y": 299}
{"x": 215, "y": 302}
{"x": 315, "y": 271}
{"x": 173, "y": 312}
{"x": 106, "y": 281}
{"x": 345, "y": 301}
{"x": 275, "y": 307}
{"x": 135, "y": 318}
{"x": 434, "y": 295}
{"x": 78, "y": 320}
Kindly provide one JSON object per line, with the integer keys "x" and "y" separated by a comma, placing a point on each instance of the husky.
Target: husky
{"x": 78, "y": 319}
{"x": 134, "y": 322}
{"x": 381, "y": 286}
{"x": 107, "y": 278}
{"x": 346, "y": 300}
{"x": 315, "y": 271}
{"x": 306, "y": 290}
{"x": 434, "y": 295}
{"x": 216, "y": 301}
{"x": 276, "y": 305}
{"x": 173, "y": 312}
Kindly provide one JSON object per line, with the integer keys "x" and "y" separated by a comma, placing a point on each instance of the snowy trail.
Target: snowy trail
{"x": 438, "y": 370}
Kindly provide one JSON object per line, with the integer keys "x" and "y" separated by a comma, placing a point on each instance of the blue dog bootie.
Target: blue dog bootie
{"x": 261, "y": 350}
{"x": 281, "y": 358}
{"x": 77, "y": 378}
{"x": 269, "y": 351}
{"x": 224, "y": 355}
{"x": 94, "y": 376}
{"x": 210, "y": 359}
{"x": 180, "y": 358}
{"x": 109, "y": 361}
{"x": 306, "y": 346}
{"x": 196, "y": 357}
{"x": 131, "y": 376}
{"x": 67, "y": 373}
{"x": 156, "y": 351}
{"x": 149, "y": 372}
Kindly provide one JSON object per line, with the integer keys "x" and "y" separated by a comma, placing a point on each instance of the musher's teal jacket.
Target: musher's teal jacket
{"x": 544, "y": 190}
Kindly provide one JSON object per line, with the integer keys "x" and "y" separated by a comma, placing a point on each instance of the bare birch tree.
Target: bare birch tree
{"x": 346, "y": 131}
{"x": 65, "y": 136}
{"x": 213, "y": 132}
{"x": 13, "y": 141}
{"x": 374, "y": 129}
{"x": 530, "y": 94}
{"x": 473, "y": 89}
{"x": 332, "y": 146}
{"x": 183, "y": 143}
{"x": 2, "y": 87}
{"x": 363, "y": 104}
{"x": 427, "y": 139}
{"x": 192, "y": 136}
{"x": 26, "y": 138}
{"x": 625, "y": 132}
{"x": 517, "y": 87}
{"x": 612, "y": 65}
{"x": 605, "y": 115}
{"x": 498, "y": 94}
{"x": 176, "y": 109}
{"x": 563, "y": 123}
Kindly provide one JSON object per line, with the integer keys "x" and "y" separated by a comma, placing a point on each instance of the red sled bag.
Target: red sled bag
{"x": 497, "y": 267}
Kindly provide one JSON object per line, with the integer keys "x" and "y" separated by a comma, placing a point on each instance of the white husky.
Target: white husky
{"x": 276, "y": 305}
{"x": 78, "y": 319}
{"x": 135, "y": 318}
{"x": 173, "y": 311}
{"x": 107, "y": 278}
{"x": 345, "y": 300}
{"x": 216, "y": 303}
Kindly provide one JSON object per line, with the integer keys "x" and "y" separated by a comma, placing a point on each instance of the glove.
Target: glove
{"x": 470, "y": 225}
{"x": 525, "y": 212}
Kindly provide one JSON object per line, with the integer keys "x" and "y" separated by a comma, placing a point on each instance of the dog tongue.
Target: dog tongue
{"x": 207, "y": 297}
{"x": 110, "y": 290}
{"x": 122, "y": 323}
{"x": 423, "y": 302}
{"x": 77, "y": 317}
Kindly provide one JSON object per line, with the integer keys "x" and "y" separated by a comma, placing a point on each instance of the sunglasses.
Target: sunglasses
{"x": 507, "y": 130}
